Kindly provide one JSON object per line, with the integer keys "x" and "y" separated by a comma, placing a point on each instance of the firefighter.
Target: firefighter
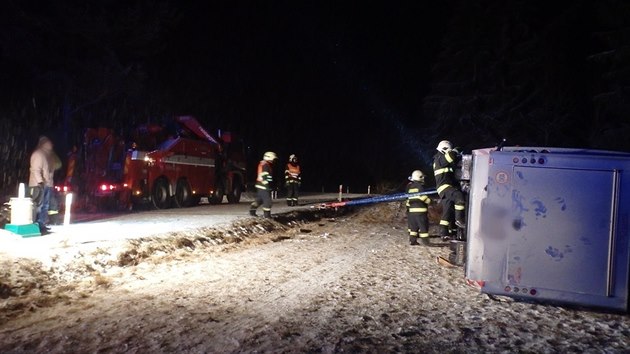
{"x": 264, "y": 179}
{"x": 444, "y": 164}
{"x": 292, "y": 180}
{"x": 40, "y": 182}
{"x": 417, "y": 209}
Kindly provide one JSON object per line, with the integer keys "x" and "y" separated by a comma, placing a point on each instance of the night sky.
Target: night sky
{"x": 361, "y": 92}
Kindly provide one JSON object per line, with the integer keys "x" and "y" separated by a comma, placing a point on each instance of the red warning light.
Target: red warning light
{"x": 107, "y": 187}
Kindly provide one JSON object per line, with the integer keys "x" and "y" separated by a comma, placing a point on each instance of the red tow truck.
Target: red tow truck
{"x": 186, "y": 167}
{"x": 158, "y": 166}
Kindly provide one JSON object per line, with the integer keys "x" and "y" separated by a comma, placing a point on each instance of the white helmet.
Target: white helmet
{"x": 293, "y": 158}
{"x": 417, "y": 176}
{"x": 444, "y": 146}
{"x": 270, "y": 156}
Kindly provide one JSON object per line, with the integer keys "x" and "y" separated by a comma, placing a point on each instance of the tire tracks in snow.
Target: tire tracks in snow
{"x": 335, "y": 258}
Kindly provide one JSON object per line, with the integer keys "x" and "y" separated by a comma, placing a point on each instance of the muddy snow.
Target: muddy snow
{"x": 304, "y": 282}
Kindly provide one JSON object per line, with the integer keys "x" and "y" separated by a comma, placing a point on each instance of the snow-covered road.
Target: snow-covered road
{"x": 107, "y": 228}
{"x": 343, "y": 284}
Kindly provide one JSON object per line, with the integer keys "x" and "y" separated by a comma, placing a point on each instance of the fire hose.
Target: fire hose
{"x": 374, "y": 200}
{"x": 457, "y": 253}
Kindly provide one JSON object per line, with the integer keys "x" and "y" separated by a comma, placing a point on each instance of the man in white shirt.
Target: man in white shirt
{"x": 40, "y": 181}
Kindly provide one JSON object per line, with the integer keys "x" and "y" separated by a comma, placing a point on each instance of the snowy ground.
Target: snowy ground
{"x": 309, "y": 283}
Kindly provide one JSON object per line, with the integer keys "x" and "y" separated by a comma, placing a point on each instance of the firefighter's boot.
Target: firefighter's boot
{"x": 460, "y": 234}
{"x": 252, "y": 212}
{"x": 424, "y": 241}
{"x": 289, "y": 202}
{"x": 444, "y": 232}
{"x": 267, "y": 214}
{"x": 413, "y": 240}
{"x": 459, "y": 217}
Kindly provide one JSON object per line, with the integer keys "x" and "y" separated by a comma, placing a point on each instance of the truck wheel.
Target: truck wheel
{"x": 160, "y": 196}
{"x": 234, "y": 196}
{"x": 183, "y": 194}
{"x": 217, "y": 196}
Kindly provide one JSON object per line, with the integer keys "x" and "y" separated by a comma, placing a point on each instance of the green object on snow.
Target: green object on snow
{"x": 28, "y": 230}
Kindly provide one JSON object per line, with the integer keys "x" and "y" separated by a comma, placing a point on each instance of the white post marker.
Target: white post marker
{"x": 21, "y": 192}
{"x": 347, "y": 189}
{"x": 369, "y": 189}
{"x": 66, "y": 216}
{"x": 340, "y": 191}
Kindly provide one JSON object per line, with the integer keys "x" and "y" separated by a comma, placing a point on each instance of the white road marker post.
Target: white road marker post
{"x": 340, "y": 192}
{"x": 66, "y": 216}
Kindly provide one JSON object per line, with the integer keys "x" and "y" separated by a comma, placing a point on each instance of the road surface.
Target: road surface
{"x": 105, "y": 228}
{"x": 343, "y": 284}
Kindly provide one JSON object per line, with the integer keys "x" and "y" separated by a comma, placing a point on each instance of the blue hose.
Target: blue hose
{"x": 382, "y": 198}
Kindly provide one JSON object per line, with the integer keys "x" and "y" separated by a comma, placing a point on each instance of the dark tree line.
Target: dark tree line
{"x": 534, "y": 72}
{"x": 67, "y": 65}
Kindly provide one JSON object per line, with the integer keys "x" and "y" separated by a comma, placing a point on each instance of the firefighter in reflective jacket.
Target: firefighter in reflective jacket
{"x": 264, "y": 178}
{"x": 417, "y": 208}
{"x": 292, "y": 180}
{"x": 444, "y": 163}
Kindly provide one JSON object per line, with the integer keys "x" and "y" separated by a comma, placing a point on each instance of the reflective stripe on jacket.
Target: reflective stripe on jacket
{"x": 292, "y": 174}
{"x": 417, "y": 204}
{"x": 443, "y": 169}
{"x": 264, "y": 175}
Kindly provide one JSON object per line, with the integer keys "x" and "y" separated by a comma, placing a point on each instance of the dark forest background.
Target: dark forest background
{"x": 362, "y": 93}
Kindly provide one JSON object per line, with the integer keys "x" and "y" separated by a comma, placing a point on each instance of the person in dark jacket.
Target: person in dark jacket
{"x": 264, "y": 179}
{"x": 417, "y": 209}
{"x": 452, "y": 199}
{"x": 293, "y": 180}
